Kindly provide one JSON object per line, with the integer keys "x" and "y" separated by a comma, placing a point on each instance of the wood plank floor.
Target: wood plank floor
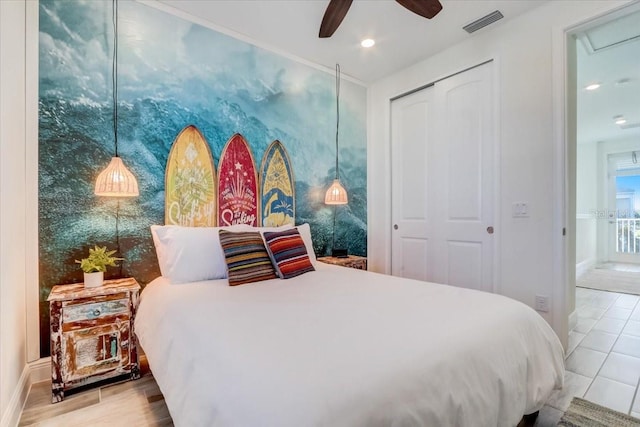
{"x": 130, "y": 403}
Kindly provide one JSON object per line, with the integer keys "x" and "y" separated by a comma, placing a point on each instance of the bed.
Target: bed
{"x": 344, "y": 347}
{"x": 335, "y": 346}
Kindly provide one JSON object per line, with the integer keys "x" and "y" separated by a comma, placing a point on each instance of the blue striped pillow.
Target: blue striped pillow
{"x": 246, "y": 257}
{"x": 288, "y": 252}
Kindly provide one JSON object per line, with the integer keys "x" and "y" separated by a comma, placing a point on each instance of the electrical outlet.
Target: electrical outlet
{"x": 542, "y": 303}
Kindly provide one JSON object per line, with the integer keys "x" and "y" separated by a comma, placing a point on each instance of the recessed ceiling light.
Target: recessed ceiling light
{"x": 367, "y": 42}
{"x": 593, "y": 86}
{"x": 619, "y": 120}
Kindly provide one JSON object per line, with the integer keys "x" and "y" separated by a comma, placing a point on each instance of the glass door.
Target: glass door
{"x": 624, "y": 208}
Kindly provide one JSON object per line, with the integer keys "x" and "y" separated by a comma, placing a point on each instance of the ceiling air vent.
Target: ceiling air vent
{"x": 483, "y": 22}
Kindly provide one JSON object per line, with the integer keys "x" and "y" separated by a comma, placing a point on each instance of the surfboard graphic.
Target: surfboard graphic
{"x": 237, "y": 184}
{"x": 277, "y": 187}
{"x": 190, "y": 190}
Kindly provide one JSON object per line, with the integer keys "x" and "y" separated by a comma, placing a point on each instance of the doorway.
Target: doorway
{"x": 442, "y": 181}
{"x": 607, "y": 55}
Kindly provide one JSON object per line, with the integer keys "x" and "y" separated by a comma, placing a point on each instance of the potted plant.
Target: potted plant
{"x": 96, "y": 264}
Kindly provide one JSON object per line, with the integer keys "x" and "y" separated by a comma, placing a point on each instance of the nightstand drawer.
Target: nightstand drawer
{"x": 96, "y": 310}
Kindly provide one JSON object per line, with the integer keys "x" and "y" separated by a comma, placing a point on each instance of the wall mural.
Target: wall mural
{"x": 174, "y": 73}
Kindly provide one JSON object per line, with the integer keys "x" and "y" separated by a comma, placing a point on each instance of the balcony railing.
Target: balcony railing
{"x": 628, "y": 233}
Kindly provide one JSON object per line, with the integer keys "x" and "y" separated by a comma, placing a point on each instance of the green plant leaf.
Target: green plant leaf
{"x": 98, "y": 260}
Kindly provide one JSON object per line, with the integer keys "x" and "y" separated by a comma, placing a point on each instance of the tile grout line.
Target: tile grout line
{"x": 605, "y": 359}
{"x": 614, "y": 344}
{"x": 611, "y": 350}
{"x": 585, "y": 335}
{"x": 635, "y": 393}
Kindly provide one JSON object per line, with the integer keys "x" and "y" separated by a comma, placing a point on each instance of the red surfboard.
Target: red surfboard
{"x": 237, "y": 184}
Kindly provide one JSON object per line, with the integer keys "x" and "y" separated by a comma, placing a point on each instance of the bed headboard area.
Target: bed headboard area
{"x": 197, "y": 196}
{"x": 203, "y": 120}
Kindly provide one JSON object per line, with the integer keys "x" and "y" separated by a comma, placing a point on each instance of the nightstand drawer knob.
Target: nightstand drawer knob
{"x": 96, "y": 312}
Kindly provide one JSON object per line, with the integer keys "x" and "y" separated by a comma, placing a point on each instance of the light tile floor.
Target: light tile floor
{"x": 620, "y": 266}
{"x": 603, "y": 362}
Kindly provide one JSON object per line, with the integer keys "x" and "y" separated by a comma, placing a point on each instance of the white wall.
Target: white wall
{"x": 586, "y": 205}
{"x": 587, "y": 181}
{"x": 13, "y": 358}
{"x": 527, "y": 65}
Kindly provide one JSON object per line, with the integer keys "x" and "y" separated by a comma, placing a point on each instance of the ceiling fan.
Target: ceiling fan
{"x": 337, "y": 9}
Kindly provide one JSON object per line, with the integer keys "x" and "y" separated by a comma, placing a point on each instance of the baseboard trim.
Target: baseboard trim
{"x": 40, "y": 370}
{"x": 584, "y": 266}
{"x": 11, "y": 416}
{"x": 573, "y": 320}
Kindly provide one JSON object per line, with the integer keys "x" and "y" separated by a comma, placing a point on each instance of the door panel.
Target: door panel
{"x": 465, "y": 264}
{"x": 447, "y": 131}
{"x": 415, "y": 251}
{"x": 463, "y": 150}
{"x": 412, "y": 129}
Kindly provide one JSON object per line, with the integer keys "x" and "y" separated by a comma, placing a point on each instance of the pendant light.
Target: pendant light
{"x": 116, "y": 180}
{"x": 336, "y": 194}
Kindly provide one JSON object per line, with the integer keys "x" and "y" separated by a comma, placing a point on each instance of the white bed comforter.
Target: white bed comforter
{"x": 343, "y": 347}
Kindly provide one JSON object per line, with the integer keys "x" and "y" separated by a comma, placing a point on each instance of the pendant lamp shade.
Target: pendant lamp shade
{"x": 116, "y": 181}
{"x": 336, "y": 194}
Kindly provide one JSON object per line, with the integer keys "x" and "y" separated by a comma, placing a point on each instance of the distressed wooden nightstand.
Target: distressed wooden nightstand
{"x": 352, "y": 261}
{"x": 92, "y": 336}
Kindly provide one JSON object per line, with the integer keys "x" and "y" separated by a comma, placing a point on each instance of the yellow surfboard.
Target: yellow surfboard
{"x": 277, "y": 187}
{"x": 190, "y": 185}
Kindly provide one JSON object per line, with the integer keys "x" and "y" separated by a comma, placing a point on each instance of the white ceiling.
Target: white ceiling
{"x": 608, "y": 66}
{"x": 402, "y": 38}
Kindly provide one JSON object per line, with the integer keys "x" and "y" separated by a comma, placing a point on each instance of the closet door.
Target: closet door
{"x": 412, "y": 139}
{"x": 445, "y": 211}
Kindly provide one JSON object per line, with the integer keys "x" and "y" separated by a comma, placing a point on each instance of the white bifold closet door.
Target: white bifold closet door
{"x": 442, "y": 181}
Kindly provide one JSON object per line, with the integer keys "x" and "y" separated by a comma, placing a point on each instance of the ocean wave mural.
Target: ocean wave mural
{"x": 174, "y": 73}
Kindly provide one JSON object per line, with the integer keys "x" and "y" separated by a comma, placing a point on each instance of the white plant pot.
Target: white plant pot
{"x": 93, "y": 280}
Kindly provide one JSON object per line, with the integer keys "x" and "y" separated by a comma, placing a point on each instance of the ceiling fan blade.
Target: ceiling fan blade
{"x": 426, "y": 8}
{"x": 333, "y": 16}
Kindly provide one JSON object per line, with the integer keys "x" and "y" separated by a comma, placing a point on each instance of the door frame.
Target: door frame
{"x": 564, "y": 106}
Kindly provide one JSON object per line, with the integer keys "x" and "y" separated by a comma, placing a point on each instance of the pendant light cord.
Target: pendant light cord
{"x": 118, "y": 236}
{"x": 337, "y": 114}
{"x": 114, "y": 74}
{"x": 333, "y": 243}
{"x": 114, "y": 81}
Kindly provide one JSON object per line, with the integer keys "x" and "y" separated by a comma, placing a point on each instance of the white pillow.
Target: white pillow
{"x": 280, "y": 228}
{"x": 305, "y": 232}
{"x": 190, "y": 254}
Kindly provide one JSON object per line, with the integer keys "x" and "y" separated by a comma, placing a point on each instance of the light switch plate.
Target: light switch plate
{"x": 520, "y": 210}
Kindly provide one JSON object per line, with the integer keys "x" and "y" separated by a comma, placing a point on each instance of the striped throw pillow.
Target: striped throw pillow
{"x": 288, "y": 253}
{"x": 246, "y": 257}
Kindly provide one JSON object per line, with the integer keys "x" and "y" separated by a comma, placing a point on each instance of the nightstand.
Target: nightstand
{"x": 352, "y": 261}
{"x": 92, "y": 336}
